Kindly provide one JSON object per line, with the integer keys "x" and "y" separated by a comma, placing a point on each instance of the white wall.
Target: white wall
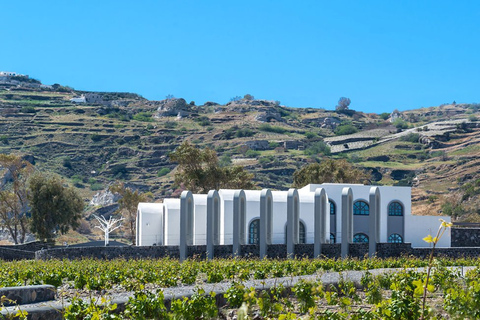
{"x": 200, "y": 219}
{"x": 418, "y": 227}
{"x": 226, "y": 215}
{"x": 362, "y": 192}
{"x": 279, "y": 216}
{"x": 150, "y": 224}
{"x": 252, "y": 198}
{"x": 172, "y": 221}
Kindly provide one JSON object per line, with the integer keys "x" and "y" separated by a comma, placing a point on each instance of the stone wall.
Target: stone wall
{"x": 464, "y": 252}
{"x": 279, "y": 251}
{"x": 465, "y": 237}
{"x": 30, "y": 246}
{"x": 15, "y": 254}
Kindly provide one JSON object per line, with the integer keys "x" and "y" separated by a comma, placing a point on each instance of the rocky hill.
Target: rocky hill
{"x": 108, "y": 136}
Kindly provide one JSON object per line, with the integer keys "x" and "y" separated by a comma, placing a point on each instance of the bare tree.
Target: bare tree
{"x": 343, "y": 104}
{"x": 107, "y": 226}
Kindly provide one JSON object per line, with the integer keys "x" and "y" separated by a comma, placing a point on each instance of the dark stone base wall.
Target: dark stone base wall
{"x": 387, "y": 250}
{"x": 465, "y": 237}
{"x": 15, "y": 254}
{"x": 279, "y": 251}
{"x": 30, "y": 246}
{"x": 465, "y": 252}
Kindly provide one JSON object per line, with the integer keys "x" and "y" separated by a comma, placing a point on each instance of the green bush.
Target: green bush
{"x": 28, "y": 110}
{"x": 318, "y": 147}
{"x": 96, "y": 186}
{"x": 163, "y": 172}
{"x": 384, "y": 115}
{"x": 345, "y": 129}
{"x": 143, "y": 116}
{"x": 310, "y": 135}
{"x": 170, "y": 124}
{"x": 96, "y": 137}
{"x": 411, "y": 137}
{"x": 400, "y": 124}
{"x": 67, "y": 163}
{"x": 269, "y": 128}
{"x": 4, "y": 139}
{"x": 252, "y": 153}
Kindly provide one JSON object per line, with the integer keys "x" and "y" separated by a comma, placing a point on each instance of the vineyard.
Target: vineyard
{"x": 90, "y": 286}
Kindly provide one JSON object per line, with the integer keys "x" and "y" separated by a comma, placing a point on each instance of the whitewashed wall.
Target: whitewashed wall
{"x": 418, "y": 227}
{"x": 151, "y": 215}
{"x": 150, "y": 220}
{"x": 172, "y": 221}
{"x": 279, "y": 216}
{"x": 226, "y": 215}
{"x": 252, "y": 198}
{"x": 200, "y": 219}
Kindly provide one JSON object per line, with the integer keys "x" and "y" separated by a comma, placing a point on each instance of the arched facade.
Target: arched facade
{"x": 332, "y": 237}
{"x": 396, "y": 221}
{"x": 361, "y": 217}
{"x": 361, "y": 208}
{"x": 360, "y": 238}
{"x": 333, "y": 219}
{"x": 254, "y": 231}
{"x": 395, "y": 238}
{"x": 162, "y": 226}
{"x": 302, "y": 232}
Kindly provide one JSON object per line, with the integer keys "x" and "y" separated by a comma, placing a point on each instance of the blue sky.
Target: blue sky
{"x": 381, "y": 54}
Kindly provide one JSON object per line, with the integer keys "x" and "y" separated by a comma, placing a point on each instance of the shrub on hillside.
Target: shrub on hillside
{"x": 318, "y": 147}
{"x": 143, "y": 116}
{"x": 345, "y": 129}
{"x": 28, "y": 110}
{"x": 411, "y": 137}
{"x": 163, "y": 172}
{"x": 269, "y": 128}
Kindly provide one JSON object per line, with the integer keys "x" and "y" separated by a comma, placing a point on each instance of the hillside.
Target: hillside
{"x": 124, "y": 136}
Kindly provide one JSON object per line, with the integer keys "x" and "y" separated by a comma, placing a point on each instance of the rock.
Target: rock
{"x": 210, "y": 103}
{"x": 104, "y": 198}
{"x": 173, "y": 107}
{"x": 269, "y": 114}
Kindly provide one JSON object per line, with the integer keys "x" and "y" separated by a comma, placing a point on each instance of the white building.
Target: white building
{"x": 80, "y": 99}
{"x": 160, "y": 223}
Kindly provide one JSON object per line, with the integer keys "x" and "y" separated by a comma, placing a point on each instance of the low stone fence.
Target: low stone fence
{"x": 8, "y": 254}
{"x": 30, "y": 246}
{"x": 465, "y": 237}
{"x": 359, "y": 250}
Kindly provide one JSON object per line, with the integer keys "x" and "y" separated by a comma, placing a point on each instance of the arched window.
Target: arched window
{"x": 395, "y": 238}
{"x": 254, "y": 232}
{"x": 332, "y": 238}
{"x": 360, "y": 238}
{"x": 361, "y": 208}
{"x": 395, "y": 209}
{"x": 333, "y": 209}
{"x": 302, "y": 233}
{"x": 302, "y": 238}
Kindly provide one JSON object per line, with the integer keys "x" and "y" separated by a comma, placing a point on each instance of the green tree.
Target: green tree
{"x": 199, "y": 170}
{"x": 128, "y": 205}
{"x": 329, "y": 171}
{"x": 13, "y": 195}
{"x": 55, "y": 208}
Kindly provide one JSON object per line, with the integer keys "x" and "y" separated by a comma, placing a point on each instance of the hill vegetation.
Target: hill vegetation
{"x": 128, "y": 138}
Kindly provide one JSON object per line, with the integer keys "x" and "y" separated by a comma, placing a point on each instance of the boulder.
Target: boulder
{"x": 104, "y": 198}
{"x": 173, "y": 107}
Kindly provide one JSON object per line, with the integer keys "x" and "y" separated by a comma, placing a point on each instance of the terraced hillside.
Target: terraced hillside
{"x": 127, "y": 137}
